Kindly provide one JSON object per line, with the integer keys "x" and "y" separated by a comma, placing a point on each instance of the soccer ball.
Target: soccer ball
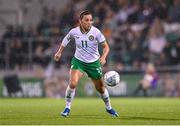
{"x": 111, "y": 78}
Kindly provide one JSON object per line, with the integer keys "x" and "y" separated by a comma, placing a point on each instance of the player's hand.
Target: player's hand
{"x": 57, "y": 56}
{"x": 102, "y": 60}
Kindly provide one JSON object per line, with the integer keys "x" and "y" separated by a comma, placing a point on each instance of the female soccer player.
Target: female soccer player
{"x": 86, "y": 59}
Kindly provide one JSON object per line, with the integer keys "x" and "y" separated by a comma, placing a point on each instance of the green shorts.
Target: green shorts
{"x": 93, "y": 70}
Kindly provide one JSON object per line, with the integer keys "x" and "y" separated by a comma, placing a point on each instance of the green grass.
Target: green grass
{"x": 90, "y": 111}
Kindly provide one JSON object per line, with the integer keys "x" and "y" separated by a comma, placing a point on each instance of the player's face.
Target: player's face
{"x": 86, "y": 22}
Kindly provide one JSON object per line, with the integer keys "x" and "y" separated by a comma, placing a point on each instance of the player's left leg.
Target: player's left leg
{"x": 99, "y": 84}
{"x": 94, "y": 71}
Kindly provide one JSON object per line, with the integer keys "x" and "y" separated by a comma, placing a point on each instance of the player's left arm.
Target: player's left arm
{"x": 105, "y": 53}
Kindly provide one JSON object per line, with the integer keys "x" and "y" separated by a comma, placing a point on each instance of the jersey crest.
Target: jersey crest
{"x": 91, "y": 37}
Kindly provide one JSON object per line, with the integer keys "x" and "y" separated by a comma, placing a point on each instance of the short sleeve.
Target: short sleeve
{"x": 67, "y": 39}
{"x": 101, "y": 38}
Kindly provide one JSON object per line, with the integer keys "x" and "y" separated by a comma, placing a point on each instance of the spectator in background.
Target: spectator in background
{"x": 174, "y": 12}
{"x": 156, "y": 37}
{"x": 9, "y": 33}
{"x": 177, "y": 51}
{"x": 39, "y": 55}
{"x": 171, "y": 53}
{"x": 149, "y": 80}
{"x": 16, "y": 54}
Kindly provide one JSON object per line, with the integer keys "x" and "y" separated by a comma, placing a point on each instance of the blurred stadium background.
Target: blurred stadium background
{"x": 138, "y": 32}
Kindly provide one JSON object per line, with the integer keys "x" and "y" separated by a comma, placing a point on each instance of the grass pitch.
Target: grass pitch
{"x": 90, "y": 111}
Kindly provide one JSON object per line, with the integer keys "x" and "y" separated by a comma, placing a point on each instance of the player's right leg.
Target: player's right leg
{"x": 75, "y": 75}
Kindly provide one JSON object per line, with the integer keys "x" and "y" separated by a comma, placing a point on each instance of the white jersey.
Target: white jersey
{"x": 86, "y": 43}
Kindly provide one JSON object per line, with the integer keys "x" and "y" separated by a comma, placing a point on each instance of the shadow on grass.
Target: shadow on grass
{"x": 147, "y": 118}
{"x": 122, "y": 117}
{"x": 93, "y": 116}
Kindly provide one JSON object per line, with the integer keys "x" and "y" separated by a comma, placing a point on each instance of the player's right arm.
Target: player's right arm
{"x": 64, "y": 43}
{"x": 58, "y": 54}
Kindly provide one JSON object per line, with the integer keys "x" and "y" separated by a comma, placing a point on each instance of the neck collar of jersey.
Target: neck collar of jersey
{"x": 82, "y": 31}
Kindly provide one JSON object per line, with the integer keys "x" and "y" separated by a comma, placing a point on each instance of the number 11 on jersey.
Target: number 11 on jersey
{"x": 84, "y": 44}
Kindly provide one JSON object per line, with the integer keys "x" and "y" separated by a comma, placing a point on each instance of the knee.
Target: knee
{"x": 73, "y": 84}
